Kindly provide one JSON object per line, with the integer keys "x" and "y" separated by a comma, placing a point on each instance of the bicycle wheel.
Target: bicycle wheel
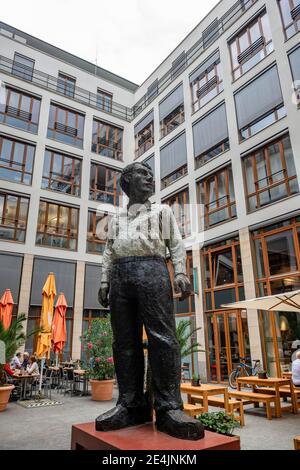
{"x": 232, "y": 378}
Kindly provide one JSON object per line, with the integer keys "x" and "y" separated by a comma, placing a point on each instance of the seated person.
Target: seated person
{"x": 296, "y": 370}
{"x": 25, "y": 360}
{"x": 33, "y": 367}
{"x": 16, "y": 362}
{"x": 8, "y": 370}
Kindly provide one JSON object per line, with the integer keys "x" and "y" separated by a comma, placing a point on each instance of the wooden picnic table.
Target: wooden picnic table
{"x": 274, "y": 382}
{"x": 204, "y": 391}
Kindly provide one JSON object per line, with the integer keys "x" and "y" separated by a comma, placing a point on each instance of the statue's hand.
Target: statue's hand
{"x": 182, "y": 285}
{"x": 103, "y": 294}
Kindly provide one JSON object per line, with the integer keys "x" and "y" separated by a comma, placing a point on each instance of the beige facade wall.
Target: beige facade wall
{"x": 78, "y": 310}
{"x": 25, "y": 286}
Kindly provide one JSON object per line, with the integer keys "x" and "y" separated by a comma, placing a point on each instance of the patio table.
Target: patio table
{"x": 274, "y": 382}
{"x": 23, "y": 381}
{"x": 82, "y": 373}
{"x": 204, "y": 391}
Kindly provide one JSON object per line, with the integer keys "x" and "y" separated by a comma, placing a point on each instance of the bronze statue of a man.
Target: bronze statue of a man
{"x": 136, "y": 279}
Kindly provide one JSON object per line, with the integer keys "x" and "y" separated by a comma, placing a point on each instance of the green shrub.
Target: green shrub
{"x": 219, "y": 422}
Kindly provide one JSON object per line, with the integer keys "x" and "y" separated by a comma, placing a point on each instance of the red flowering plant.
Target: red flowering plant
{"x": 97, "y": 346}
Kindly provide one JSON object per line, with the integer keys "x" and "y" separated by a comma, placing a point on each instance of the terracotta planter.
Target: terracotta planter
{"x": 102, "y": 390}
{"x": 4, "y": 395}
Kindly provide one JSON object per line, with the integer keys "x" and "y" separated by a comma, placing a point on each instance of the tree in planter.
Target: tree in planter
{"x": 13, "y": 338}
{"x": 97, "y": 344}
{"x": 219, "y": 422}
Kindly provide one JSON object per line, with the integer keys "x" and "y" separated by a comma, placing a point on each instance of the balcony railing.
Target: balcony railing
{"x": 49, "y": 82}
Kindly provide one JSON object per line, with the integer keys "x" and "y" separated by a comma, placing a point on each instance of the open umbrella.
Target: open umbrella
{"x": 44, "y": 338}
{"x": 59, "y": 329}
{"x": 6, "y": 308}
{"x": 287, "y": 302}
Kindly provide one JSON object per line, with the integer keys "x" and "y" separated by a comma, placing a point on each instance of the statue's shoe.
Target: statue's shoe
{"x": 177, "y": 424}
{"x": 122, "y": 417}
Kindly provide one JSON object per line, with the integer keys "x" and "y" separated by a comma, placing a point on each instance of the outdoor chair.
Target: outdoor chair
{"x": 47, "y": 383}
{"x": 70, "y": 382}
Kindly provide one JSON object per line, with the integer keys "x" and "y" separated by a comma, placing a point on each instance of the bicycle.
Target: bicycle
{"x": 243, "y": 370}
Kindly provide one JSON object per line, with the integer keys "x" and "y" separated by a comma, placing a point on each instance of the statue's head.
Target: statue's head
{"x": 137, "y": 181}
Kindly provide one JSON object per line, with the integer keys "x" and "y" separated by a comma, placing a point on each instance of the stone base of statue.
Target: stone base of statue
{"x": 145, "y": 437}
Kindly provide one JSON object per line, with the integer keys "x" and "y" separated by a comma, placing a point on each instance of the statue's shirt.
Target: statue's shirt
{"x": 144, "y": 230}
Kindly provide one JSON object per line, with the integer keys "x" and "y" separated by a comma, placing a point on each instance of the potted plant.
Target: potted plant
{"x": 196, "y": 381}
{"x": 10, "y": 341}
{"x": 219, "y": 422}
{"x": 97, "y": 344}
{"x": 262, "y": 374}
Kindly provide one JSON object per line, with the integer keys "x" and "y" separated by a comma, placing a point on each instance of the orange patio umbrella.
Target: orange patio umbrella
{"x": 59, "y": 329}
{"x": 44, "y": 338}
{"x": 6, "y": 308}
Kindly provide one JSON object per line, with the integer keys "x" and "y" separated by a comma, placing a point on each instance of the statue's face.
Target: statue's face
{"x": 141, "y": 182}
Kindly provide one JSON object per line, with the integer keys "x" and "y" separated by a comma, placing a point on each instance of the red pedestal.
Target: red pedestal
{"x": 145, "y": 437}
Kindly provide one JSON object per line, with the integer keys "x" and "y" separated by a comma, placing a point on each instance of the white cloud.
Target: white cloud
{"x": 130, "y": 38}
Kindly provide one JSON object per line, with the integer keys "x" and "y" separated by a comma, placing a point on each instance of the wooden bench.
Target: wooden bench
{"x": 219, "y": 403}
{"x": 252, "y": 397}
{"x": 285, "y": 392}
{"x": 297, "y": 443}
{"x": 192, "y": 410}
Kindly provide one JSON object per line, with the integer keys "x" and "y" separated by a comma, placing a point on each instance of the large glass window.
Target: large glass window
{"x": 65, "y": 125}
{"x": 104, "y": 100}
{"x": 218, "y": 198}
{"x": 251, "y": 45}
{"x": 23, "y": 66}
{"x": 66, "y": 85}
{"x": 16, "y": 160}
{"x": 57, "y": 226}
{"x": 61, "y": 173}
{"x": 20, "y": 110}
{"x": 171, "y": 111}
{"x": 294, "y": 58}
{"x": 290, "y": 15}
{"x": 277, "y": 251}
{"x": 105, "y": 185}
{"x": 144, "y": 134}
{"x": 179, "y": 204}
{"x": 96, "y": 232}
{"x": 259, "y": 104}
{"x": 13, "y": 217}
{"x": 206, "y": 82}
{"x": 210, "y": 136}
{"x": 270, "y": 174}
{"x": 107, "y": 140}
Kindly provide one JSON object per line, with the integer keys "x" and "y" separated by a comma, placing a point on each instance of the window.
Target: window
{"x": 57, "y": 226}
{"x": 251, "y": 45}
{"x": 13, "y": 217}
{"x": 104, "y": 101}
{"x": 16, "y": 160}
{"x": 107, "y": 140}
{"x": 61, "y": 173}
{"x": 171, "y": 111}
{"x": 23, "y": 67}
{"x": 152, "y": 91}
{"x": 179, "y": 204}
{"x": 10, "y": 275}
{"x": 105, "y": 185}
{"x": 290, "y": 15}
{"x": 66, "y": 85}
{"x": 173, "y": 161}
{"x": 96, "y": 232}
{"x": 259, "y": 104}
{"x": 294, "y": 58}
{"x": 210, "y": 136}
{"x": 151, "y": 162}
{"x": 20, "y": 110}
{"x": 178, "y": 65}
{"x": 270, "y": 174}
{"x": 65, "y": 125}
{"x": 144, "y": 134}
{"x": 218, "y": 198}
{"x": 206, "y": 81}
{"x": 211, "y": 33}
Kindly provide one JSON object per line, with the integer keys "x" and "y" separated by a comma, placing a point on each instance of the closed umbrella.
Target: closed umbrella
{"x": 44, "y": 338}
{"x": 6, "y": 308}
{"x": 59, "y": 329}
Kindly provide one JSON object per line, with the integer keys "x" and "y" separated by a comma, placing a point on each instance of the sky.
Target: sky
{"x": 128, "y": 37}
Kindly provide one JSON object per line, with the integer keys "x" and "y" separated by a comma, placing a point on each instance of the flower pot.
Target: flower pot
{"x": 4, "y": 395}
{"x": 196, "y": 383}
{"x": 262, "y": 375}
{"x": 102, "y": 390}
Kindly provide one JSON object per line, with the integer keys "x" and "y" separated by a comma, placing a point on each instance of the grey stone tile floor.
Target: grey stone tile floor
{"x": 50, "y": 427}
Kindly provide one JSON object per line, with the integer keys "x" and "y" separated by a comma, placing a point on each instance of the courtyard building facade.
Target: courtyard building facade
{"x": 218, "y": 123}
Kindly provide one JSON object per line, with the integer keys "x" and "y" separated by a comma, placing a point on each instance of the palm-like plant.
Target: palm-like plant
{"x": 185, "y": 333}
{"x": 13, "y": 338}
